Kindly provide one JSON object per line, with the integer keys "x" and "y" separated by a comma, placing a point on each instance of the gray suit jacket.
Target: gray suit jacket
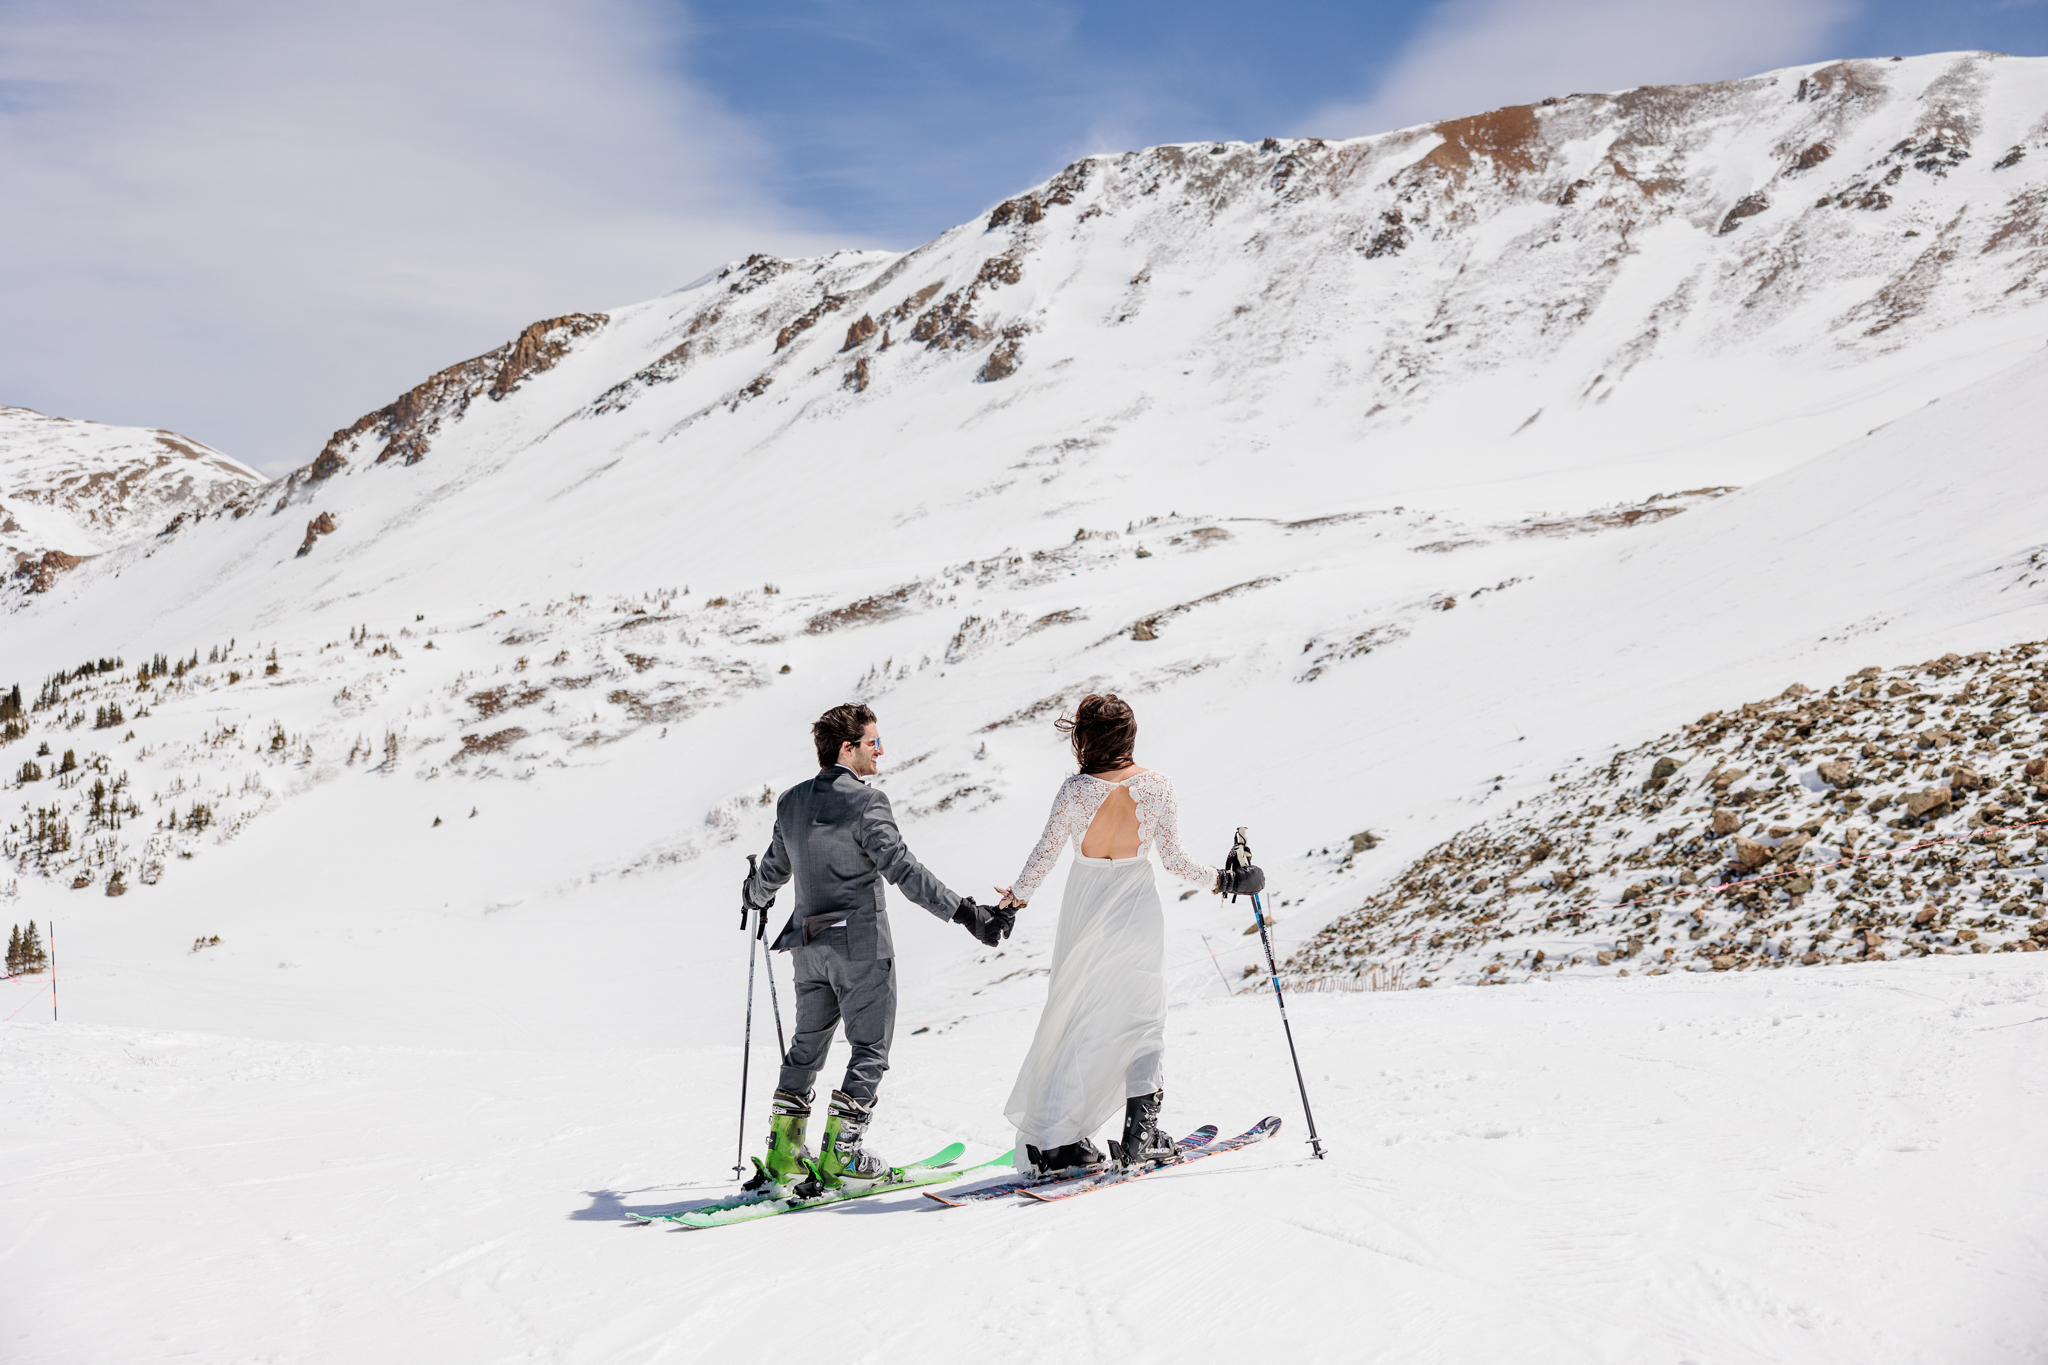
{"x": 839, "y": 837}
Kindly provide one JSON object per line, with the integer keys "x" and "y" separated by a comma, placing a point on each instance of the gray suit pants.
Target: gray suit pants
{"x": 830, "y": 987}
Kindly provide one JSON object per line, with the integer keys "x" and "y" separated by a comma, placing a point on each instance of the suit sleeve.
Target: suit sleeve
{"x": 883, "y": 843}
{"x": 773, "y": 873}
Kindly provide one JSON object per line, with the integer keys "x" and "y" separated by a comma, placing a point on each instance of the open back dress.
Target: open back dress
{"x": 1102, "y": 1037}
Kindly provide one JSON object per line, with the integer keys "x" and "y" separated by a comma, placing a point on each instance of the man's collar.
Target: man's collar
{"x": 848, "y": 771}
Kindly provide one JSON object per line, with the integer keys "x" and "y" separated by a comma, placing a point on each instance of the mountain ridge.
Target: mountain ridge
{"x": 71, "y": 489}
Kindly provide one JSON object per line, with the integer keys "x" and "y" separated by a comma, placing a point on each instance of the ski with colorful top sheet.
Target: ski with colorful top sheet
{"x": 1067, "y": 1189}
{"x": 1201, "y": 1137}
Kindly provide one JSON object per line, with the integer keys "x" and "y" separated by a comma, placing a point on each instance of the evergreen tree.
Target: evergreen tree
{"x": 13, "y": 950}
{"x": 33, "y": 958}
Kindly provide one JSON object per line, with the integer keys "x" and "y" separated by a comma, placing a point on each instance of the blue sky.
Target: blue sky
{"x": 253, "y": 222}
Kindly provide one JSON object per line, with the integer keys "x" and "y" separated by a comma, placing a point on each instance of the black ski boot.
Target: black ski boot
{"x": 1144, "y": 1144}
{"x": 841, "y": 1156}
{"x": 1072, "y": 1156}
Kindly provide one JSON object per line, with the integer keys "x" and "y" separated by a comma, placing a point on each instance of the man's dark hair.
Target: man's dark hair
{"x": 1104, "y": 732}
{"x": 843, "y": 724}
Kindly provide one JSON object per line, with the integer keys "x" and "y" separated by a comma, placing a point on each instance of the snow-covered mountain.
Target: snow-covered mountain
{"x": 1290, "y": 391}
{"x": 1399, "y": 481}
{"x": 70, "y": 489}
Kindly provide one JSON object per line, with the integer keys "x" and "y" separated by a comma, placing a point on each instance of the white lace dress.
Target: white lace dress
{"x": 1102, "y": 1036}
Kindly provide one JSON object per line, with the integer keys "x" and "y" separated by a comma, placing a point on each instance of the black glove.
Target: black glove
{"x": 1245, "y": 881}
{"x": 747, "y": 906}
{"x": 987, "y": 923}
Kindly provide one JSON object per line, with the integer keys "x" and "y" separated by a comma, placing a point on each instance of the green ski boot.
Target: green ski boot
{"x": 841, "y": 1156}
{"x": 788, "y": 1160}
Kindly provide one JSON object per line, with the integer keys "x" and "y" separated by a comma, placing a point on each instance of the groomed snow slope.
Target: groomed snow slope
{"x": 1835, "y": 1167}
{"x": 478, "y": 990}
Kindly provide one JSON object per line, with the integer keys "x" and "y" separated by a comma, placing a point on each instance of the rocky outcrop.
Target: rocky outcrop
{"x": 1839, "y": 837}
{"x": 402, "y": 429}
{"x": 808, "y": 319}
{"x": 316, "y": 528}
{"x": 1748, "y": 206}
{"x": 40, "y": 575}
{"x": 1004, "y": 359}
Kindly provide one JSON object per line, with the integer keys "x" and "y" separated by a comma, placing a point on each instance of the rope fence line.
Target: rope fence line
{"x": 30, "y": 1001}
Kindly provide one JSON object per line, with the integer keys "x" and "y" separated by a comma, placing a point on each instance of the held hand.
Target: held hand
{"x": 990, "y": 925}
{"x": 1008, "y": 901}
{"x": 1245, "y": 881}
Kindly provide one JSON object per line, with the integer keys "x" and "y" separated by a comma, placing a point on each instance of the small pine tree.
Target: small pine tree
{"x": 33, "y": 958}
{"x": 14, "y": 950}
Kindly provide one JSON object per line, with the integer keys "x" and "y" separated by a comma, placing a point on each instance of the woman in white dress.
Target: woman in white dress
{"x": 1101, "y": 1040}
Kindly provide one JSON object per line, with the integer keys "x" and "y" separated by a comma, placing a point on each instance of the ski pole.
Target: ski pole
{"x": 53, "y": 971}
{"x": 1241, "y": 857}
{"x": 774, "y": 999}
{"x": 739, "y": 1162}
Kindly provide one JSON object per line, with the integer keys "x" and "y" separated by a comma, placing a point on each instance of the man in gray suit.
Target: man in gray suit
{"x": 838, "y": 837}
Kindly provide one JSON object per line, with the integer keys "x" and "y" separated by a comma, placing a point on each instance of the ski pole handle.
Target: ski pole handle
{"x": 746, "y": 900}
{"x": 1240, "y": 858}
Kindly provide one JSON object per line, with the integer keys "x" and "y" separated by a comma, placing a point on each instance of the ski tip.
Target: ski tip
{"x": 945, "y": 1156}
{"x": 1009, "y": 1158}
{"x": 1269, "y": 1125}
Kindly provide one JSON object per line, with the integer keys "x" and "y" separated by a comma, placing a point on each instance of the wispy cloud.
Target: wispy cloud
{"x": 255, "y": 221}
{"x": 1473, "y": 55}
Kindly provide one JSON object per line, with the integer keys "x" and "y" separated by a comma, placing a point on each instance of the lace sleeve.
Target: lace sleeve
{"x": 1059, "y": 828}
{"x": 1159, "y": 820}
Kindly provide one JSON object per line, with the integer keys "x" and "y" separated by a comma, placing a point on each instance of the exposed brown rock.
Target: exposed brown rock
{"x": 831, "y": 303}
{"x": 1921, "y": 802}
{"x": 1725, "y": 822}
{"x": 316, "y": 528}
{"x": 1836, "y": 773}
{"x": 1750, "y": 854}
{"x": 857, "y": 377}
{"x": 41, "y": 574}
{"x": 1812, "y": 156}
{"x": 406, "y": 424}
{"x": 539, "y": 347}
{"x": 1505, "y": 138}
{"x": 1747, "y": 207}
{"x": 1002, "y": 362}
{"x": 861, "y": 329}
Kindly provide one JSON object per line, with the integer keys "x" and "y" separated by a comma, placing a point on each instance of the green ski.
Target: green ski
{"x": 745, "y": 1209}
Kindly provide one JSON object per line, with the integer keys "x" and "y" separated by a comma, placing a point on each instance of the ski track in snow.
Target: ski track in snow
{"x": 469, "y": 852}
